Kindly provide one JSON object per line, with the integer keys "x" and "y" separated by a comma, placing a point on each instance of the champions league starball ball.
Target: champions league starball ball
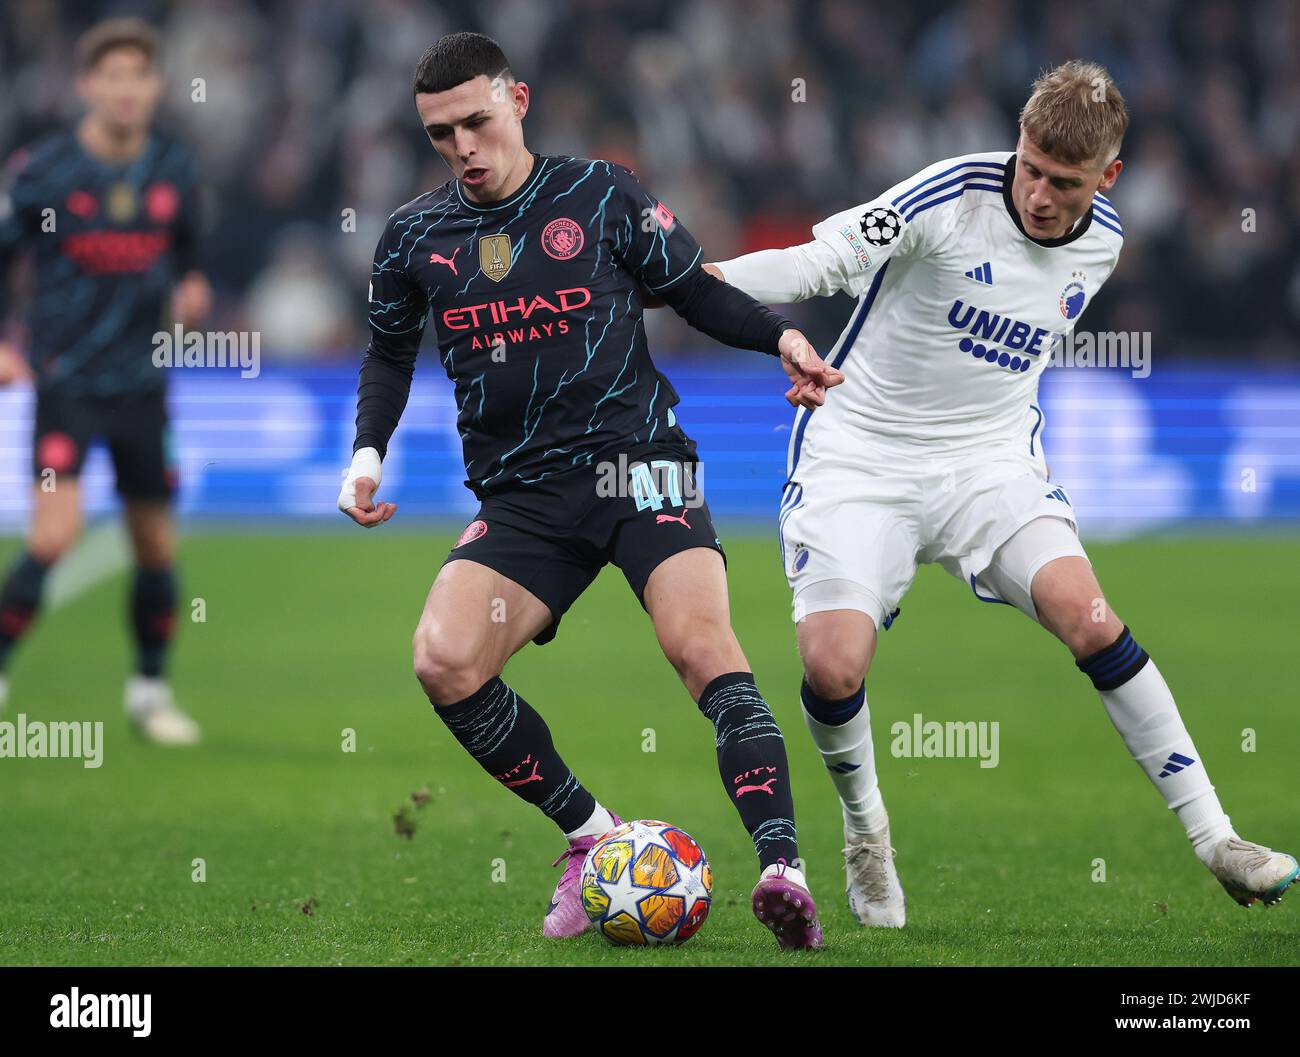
{"x": 646, "y": 883}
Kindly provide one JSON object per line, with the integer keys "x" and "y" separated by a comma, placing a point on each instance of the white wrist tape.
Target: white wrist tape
{"x": 365, "y": 463}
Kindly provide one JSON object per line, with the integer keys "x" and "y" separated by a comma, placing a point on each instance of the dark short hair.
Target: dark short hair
{"x": 115, "y": 33}
{"x": 457, "y": 58}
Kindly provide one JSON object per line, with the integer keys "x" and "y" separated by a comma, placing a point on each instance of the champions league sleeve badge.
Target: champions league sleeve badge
{"x": 881, "y": 226}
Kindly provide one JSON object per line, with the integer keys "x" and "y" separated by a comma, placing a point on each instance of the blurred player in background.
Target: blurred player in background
{"x": 967, "y": 277}
{"x": 107, "y": 213}
{"x": 534, "y": 268}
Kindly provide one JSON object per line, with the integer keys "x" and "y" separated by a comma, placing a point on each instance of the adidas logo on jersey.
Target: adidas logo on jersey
{"x": 982, "y": 274}
{"x": 1058, "y": 493}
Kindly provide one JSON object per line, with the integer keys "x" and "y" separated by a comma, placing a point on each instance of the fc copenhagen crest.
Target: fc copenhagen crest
{"x": 495, "y": 256}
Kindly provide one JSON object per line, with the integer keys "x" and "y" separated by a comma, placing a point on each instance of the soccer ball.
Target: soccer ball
{"x": 645, "y": 883}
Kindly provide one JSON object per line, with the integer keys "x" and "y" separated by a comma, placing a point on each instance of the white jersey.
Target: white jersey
{"x": 958, "y": 313}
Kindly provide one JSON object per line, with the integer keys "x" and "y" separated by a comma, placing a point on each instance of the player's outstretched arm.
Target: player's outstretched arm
{"x": 734, "y": 318}
{"x": 191, "y": 300}
{"x": 848, "y": 250}
{"x": 383, "y": 387}
{"x": 657, "y": 250}
{"x": 784, "y": 276}
{"x": 399, "y": 309}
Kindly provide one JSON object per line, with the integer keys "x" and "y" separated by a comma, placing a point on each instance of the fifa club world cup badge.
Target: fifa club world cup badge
{"x": 562, "y": 238}
{"x": 120, "y": 203}
{"x": 495, "y": 255}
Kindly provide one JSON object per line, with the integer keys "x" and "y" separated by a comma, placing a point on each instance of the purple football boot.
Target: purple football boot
{"x": 783, "y": 903}
{"x": 565, "y": 917}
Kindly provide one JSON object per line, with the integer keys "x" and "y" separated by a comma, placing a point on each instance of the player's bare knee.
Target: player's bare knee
{"x": 51, "y": 544}
{"x": 447, "y": 668}
{"x": 834, "y": 679}
{"x": 703, "y": 651}
{"x": 154, "y": 552}
{"x": 1091, "y": 638}
{"x": 833, "y": 673}
{"x": 1084, "y": 624}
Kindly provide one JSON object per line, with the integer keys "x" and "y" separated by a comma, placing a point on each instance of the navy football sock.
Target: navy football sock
{"x": 153, "y": 618}
{"x": 513, "y": 744}
{"x": 829, "y": 712}
{"x": 1116, "y": 664}
{"x": 751, "y": 760}
{"x": 20, "y": 598}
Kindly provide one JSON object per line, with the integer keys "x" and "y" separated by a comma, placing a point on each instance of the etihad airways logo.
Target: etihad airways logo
{"x": 116, "y": 252}
{"x": 538, "y": 312}
{"x": 520, "y": 309}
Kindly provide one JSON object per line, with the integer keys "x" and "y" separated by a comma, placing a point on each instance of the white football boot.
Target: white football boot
{"x": 154, "y": 715}
{"x": 1250, "y": 871}
{"x": 875, "y": 894}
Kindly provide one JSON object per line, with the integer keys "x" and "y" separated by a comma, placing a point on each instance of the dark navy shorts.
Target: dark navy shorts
{"x": 134, "y": 427}
{"x": 631, "y": 508}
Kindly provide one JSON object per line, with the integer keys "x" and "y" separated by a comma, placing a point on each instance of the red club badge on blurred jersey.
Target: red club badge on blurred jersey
{"x": 162, "y": 202}
{"x": 82, "y": 204}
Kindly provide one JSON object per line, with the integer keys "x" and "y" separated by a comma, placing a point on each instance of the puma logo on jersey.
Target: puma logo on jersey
{"x": 662, "y": 518}
{"x": 438, "y": 258}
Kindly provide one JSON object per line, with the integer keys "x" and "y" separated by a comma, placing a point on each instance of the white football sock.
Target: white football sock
{"x": 1144, "y": 713}
{"x": 850, "y": 760}
{"x": 601, "y": 821}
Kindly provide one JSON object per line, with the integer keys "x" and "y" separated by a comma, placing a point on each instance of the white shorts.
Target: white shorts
{"x": 853, "y": 536}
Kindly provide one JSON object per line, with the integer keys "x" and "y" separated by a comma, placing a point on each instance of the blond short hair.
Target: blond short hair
{"x": 1076, "y": 114}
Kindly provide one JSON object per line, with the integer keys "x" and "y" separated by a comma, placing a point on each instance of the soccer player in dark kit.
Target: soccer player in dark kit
{"x": 106, "y": 211}
{"x": 535, "y": 270}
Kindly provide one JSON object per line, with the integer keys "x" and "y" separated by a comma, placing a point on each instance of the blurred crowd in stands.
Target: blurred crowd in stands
{"x": 752, "y": 119}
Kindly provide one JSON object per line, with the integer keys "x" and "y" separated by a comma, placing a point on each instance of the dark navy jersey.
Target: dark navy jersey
{"x": 107, "y": 241}
{"x": 536, "y": 303}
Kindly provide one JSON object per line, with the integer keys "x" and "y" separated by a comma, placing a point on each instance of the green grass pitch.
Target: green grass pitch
{"x": 303, "y": 864}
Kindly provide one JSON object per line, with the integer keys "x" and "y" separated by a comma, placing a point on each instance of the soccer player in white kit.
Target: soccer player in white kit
{"x": 967, "y": 275}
